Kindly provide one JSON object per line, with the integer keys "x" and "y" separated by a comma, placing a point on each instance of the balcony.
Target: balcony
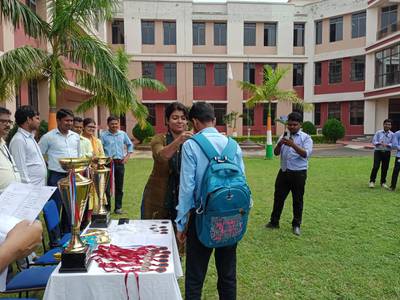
{"x": 392, "y": 28}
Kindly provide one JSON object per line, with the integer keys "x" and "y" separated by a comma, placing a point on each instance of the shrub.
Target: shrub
{"x": 142, "y": 133}
{"x": 309, "y": 128}
{"x": 333, "y": 130}
{"x": 260, "y": 139}
{"x": 43, "y": 128}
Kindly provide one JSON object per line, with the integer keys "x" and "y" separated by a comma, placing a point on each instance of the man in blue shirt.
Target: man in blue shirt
{"x": 295, "y": 148}
{"x": 119, "y": 146}
{"x": 193, "y": 167}
{"x": 383, "y": 145}
{"x": 396, "y": 169}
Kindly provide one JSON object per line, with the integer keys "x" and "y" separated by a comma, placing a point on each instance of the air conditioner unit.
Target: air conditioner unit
{"x": 319, "y": 131}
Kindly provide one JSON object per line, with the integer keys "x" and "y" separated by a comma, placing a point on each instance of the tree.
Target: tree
{"x": 113, "y": 102}
{"x": 268, "y": 92}
{"x": 230, "y": 120}
{"x": 68, "y": 32}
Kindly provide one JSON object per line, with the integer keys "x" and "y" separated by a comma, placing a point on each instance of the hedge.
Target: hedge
{"x": 317, "y": 139}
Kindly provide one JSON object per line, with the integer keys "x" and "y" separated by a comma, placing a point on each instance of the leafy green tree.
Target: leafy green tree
{"x": 69, "y": 36}
{"x": 268, "y": 92}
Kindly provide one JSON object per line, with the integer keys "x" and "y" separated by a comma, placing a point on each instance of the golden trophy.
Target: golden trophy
{"x": 74, "y": 190}
{"x": 100, "y": 175}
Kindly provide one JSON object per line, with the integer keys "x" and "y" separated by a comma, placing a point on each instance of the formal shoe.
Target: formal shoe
{"x": 296, "y": 230}
{"x": 118, "y": 211}
{"x": 385, "y": 186}
{"x": 371, "y": 184}
{"x": 272, "y": 226}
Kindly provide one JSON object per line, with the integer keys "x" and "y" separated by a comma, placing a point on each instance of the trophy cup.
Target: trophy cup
{"x": 100, "y": 175}
{"x": 74, "y": 191}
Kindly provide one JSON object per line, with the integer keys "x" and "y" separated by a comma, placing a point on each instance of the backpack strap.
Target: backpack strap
{"x": 230, "y": 149}
{"x": 205, "y": 145}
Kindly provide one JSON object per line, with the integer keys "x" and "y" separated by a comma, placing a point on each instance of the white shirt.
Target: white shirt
{"x": 28, "y": 158}
{"x": 56, "y": 145}
{"x": 8, "y": 169}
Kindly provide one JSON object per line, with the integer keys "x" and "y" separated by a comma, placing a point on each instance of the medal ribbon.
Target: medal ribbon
{"x": 72, "y": 192}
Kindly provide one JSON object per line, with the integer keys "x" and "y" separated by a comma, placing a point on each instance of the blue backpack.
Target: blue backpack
{"x": 224, "y": 201}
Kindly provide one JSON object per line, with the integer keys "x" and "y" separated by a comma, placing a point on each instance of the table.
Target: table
{"x": 100, "y": 285}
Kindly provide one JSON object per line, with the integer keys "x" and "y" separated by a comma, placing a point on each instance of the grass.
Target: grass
{"x": 349, "y": 247}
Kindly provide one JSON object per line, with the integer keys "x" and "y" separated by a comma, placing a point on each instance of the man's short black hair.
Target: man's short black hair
{"x": 173, "y": 107}
{"x": 387, "y": 121}
{"x": 64, "y": 112}
{"x": 112, "y": 118}
{"x": 295, "y": 117}
{"x": 4, "y": 111}
{"x": 23, "y": 113}
{"x": 202, "y": 111}
{"x": 78, "y": 119}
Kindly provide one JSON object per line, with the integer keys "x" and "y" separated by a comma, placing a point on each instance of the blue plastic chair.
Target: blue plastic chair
{"x": 47, "y": 258}
{"x": 32, "y": 279}
{"x": 52, "y": 220}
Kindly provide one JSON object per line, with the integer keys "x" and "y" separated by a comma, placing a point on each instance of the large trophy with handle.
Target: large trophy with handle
{"x": 74, "y": 191}
{"x": 100, "y": 175}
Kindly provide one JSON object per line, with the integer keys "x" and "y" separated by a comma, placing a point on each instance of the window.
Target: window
{"x": 199, "y": 74}
{"x": 248, "y": 116}
{"x": 249, "y": 34}
{"x": 117, "y": 32}
{"x": 199, "y": 33}
{"x": 33, "y": 94}
{"x": 17, "y": 97}
{"x": 388, "y": 16}
{"x": 31, "y": 4}
{"x": 357, "y": 113}
{"x": 220, "y": 112}
{"x": 317, "y": 114}
{"x": 387, "y": 70}
{"x": 298, "y": 35}
{"x": 148, "y": 32}
{"x": 169, "y": 33}
{"x": 336, "y": 29}
{"x": 273, "y": 113}
{"x": 249, "y": 72}
{"x": 318, "y": 32}
{"x": 220, "y": 74}
{"x": 358, "y": 24}
{"x": 152, "y": 113}
{"x": 270, "y": 34}
{"x": 219, "y": 34}
{"x": 149, "y": 70}
{"x": 170, "y": 74}
{"x": 334, "y": 110}
{"x": 296, "y": 107}
{"x": 298, "y": 74}
{"x": 335, "y": 71}
{"x": 357, "y": 68}
{"x": 318, "y": 73}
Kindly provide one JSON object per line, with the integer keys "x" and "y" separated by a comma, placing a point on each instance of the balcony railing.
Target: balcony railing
{"x": 388, "y": 30}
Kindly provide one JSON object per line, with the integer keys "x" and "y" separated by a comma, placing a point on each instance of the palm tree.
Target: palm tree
{"x": 68, "y": 32}
{"x": 113, "y": 102}
{"x": 269, "y": 91}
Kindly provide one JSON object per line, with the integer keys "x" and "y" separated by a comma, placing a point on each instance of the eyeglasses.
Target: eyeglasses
{"x": 9, "y": 122}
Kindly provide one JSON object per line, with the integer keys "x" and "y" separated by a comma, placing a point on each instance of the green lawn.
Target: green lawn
{"x": 349, "y": 247}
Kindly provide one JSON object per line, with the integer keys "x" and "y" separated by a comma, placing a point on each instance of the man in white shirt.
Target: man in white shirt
{"x": 25, "y": 150}
{"x": 60, "y": 142}
{"x": 8, "y": 169}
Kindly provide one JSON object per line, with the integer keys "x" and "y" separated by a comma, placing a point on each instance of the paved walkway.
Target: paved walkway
{"x": 339, "y": 149}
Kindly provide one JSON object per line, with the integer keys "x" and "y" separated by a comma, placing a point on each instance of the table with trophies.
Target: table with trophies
{"x": 133, "y": 259}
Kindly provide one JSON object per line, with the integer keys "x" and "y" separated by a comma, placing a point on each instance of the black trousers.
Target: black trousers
{"x": 380, "y": 157}
{"x": 289, "y": 181}
{"x": 395, "y": 173}
{"x": 119, "y": 172}
{"x": 197, "y": 258}
{"x": 52, "y": 180}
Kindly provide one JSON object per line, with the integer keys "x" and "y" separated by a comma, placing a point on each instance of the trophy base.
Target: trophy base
{"x": 75, "y": 262}
{"x": 100, "y": 221}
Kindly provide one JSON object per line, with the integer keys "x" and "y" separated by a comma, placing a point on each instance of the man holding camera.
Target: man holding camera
{"x": 295, "y": 148}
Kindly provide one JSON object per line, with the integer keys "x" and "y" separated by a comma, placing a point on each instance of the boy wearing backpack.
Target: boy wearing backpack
{"x": 209, "y": 219}
{"x": 295, "y": 148}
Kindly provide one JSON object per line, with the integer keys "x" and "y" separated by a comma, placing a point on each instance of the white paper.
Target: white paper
{"x": 20, "y": 201}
